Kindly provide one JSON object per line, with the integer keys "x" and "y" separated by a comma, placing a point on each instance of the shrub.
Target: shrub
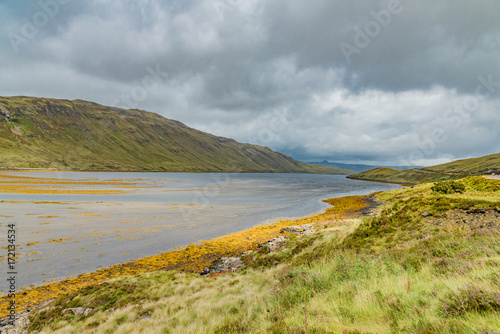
{"x": 448, "y": 187}
{"x": 470, "y": 299}
{"x": 482, "y": 184}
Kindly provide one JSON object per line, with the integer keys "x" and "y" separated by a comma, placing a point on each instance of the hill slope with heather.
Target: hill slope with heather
{"x": 63, "y": 134}
{"x": 450, "y": 171}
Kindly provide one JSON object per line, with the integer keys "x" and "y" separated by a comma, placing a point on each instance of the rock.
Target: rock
{"x": 224, "y": 264}
{"x": 78, "y": 311}
{"x": 476, "y": 210}
{"x": 426, "y": 214}
{"x": 303, "y": 229}
{"x": 246, "y": 253}
{"x": 274, "y": 244}
{"x": 5, "y": 113}
{"x": 294, "y": 229}
{"x": 22, "y": 324}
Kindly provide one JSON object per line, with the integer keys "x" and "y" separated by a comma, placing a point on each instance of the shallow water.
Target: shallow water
{"x": 60, "y": 235}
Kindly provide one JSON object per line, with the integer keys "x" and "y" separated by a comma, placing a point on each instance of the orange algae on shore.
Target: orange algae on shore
{"x": 15, "y": 184}
{"x": 27, "y": 189}
{"x": 192, "y": 258}
{"x": 348, "y": 206}
{"x": 39, "y": 180}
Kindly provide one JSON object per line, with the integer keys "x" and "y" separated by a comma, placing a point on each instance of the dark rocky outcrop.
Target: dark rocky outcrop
{"x": 303, "y": 229}
{"x": 222, "y": 265}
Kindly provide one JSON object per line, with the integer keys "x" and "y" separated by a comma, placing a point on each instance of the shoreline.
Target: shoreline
{"x": 152, "y": 171}
{"x": 194, "y": 257}
{"x": 380, "y": 181}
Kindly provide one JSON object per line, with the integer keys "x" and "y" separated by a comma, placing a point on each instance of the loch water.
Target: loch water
{"x": 61, "y": 235}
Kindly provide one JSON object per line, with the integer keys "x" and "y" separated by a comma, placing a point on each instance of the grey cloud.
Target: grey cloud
{"x": 236, "y": 66}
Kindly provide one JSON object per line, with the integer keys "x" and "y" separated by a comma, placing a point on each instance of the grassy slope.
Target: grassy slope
{"x": 483, "y": 165}
{"x": 49, "y": 133}
{"x": 448, "y": 171}
{"x": 410, "y": 176}
{"x": 395, "y": 272}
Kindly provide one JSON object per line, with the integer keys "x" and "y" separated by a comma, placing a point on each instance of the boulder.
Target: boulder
{"x": 78, "y": 311}
{"x": 476, "y": 210}
{"x": 224, "y": 264}
{"x": 303, "y": 229}
{"x": 246, "y": 253}
{"x": 274, "y": 244}
{"x": 22, "y": 324}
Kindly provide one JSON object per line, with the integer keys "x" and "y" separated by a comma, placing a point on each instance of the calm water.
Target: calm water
{"x": 63, "y": 235}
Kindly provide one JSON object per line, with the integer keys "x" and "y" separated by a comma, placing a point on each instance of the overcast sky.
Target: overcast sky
{"x": 382, "y": 82}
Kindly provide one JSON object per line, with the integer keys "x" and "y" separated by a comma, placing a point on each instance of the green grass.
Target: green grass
{"x": 408, "y": 177}
{"x": 49, "y": 133}
{"x": 450, "y": 171}
{"x": 483, "y": 165}
{"x": 396, "y": 272}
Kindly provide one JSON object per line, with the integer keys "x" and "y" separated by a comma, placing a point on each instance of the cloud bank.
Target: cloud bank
{"x": 384, "y": 82}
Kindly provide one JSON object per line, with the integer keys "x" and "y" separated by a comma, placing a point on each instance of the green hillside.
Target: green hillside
{"x": 449, "y": 171}
{"x": 409, "y": 176}
{"x": 63, "y": 134}
{"x": 484, "y": 165}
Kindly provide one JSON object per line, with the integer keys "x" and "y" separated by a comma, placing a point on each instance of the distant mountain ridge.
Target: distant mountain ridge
{"x": 489, "y": 164}
{"x": 63, "y": 134}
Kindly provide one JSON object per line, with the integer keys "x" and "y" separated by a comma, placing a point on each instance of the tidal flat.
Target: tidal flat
{"x": 80, "y": 228}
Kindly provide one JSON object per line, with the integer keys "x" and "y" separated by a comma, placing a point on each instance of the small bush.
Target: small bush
{"x": 470, "y": 299}
{"x": 448, "y": 187}
{"x": 482, "y": 184}
{"x": 237, "y": 326}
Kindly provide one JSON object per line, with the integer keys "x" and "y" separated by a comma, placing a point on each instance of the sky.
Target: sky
{"x": 385, "y": 82}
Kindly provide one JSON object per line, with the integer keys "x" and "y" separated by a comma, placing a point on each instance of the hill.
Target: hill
{"x": 489, "y": 164}
{"x": 63, "y": 134}
{"x": 484, "y": 165}
{"x": 355, "y": 167}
